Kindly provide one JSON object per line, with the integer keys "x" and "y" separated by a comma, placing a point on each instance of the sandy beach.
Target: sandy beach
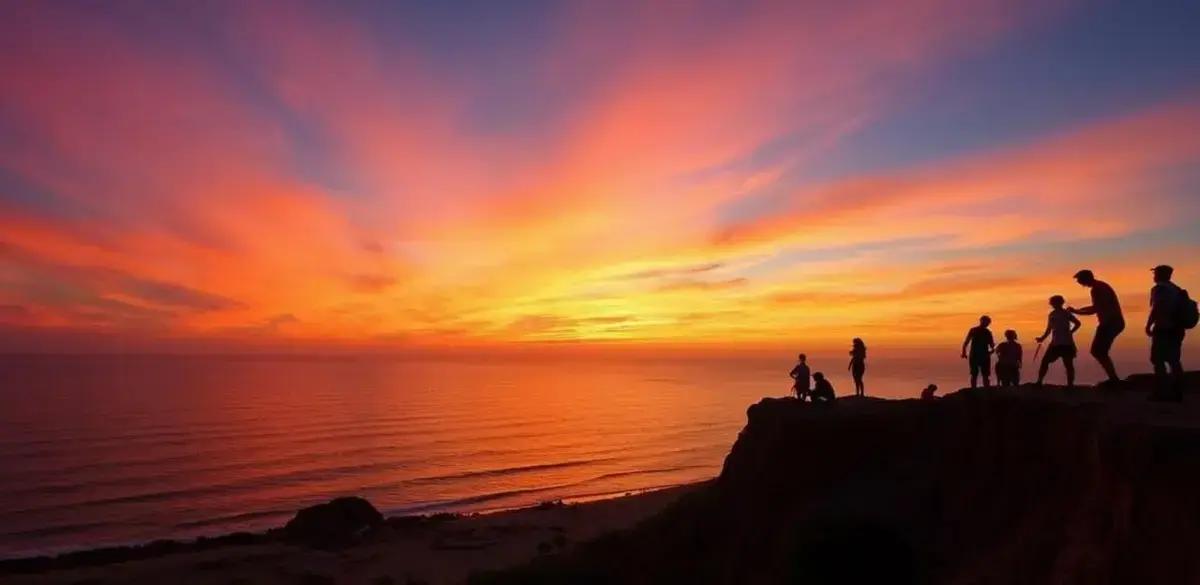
{"x": 433, "y": 552}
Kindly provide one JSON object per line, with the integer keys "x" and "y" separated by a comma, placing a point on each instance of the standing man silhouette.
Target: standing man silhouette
{"x": 1107, "y": 310}
{"x": 803, "y": 381}
{"x": 982, "y": 345}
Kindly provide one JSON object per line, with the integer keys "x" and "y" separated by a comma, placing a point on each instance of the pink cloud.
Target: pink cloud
{"x": 1032, "y": 188}
{"x": 170, "y": 189}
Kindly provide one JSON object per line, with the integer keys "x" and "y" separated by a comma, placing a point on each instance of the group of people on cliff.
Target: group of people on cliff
{"x": 1172, "y": 313}
{"x": 817, "y": 388}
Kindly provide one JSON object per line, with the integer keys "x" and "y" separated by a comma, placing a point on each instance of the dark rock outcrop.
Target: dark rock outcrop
{"x": 980, "y": 487}
{"x": 337, "y": 523}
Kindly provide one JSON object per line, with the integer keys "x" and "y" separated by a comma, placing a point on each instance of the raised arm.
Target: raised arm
{"x": 1088, "y": 310}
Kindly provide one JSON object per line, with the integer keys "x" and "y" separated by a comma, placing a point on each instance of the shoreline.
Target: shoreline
{"x": 425, "y": 511}
{"x": 450, "y": 548}
{"x": 433, "y": 548}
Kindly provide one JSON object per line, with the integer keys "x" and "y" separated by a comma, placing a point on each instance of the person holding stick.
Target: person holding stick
{"x": 1060, "y": 328}
{"x": 802, "y": 381}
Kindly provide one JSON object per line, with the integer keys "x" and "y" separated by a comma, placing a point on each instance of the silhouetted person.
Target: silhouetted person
{"x": 1111, "y": 322}
{"x": 858, "y": 365}
{"x": 822, "y": 390}
{"x": 1008, "y": 360}
{"x": 803, "y": 384}
{"x": 982, "y": 344}
{"x": 928, "y": 392}
{"x": 1060, "y": 328}
{"x": 1166, "y": 334}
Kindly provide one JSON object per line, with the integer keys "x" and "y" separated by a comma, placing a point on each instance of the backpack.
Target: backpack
{"x": 1187, "y": 313}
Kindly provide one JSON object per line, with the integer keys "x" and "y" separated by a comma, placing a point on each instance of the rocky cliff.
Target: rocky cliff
{"x": 980, "y": 487}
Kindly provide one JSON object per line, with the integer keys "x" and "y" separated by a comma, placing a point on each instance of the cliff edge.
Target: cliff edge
{"x": 980, "y": 487}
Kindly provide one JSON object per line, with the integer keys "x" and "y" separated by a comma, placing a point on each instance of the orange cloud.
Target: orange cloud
{"x": 1028, "y": 190}
{"x": 325, "y": 184}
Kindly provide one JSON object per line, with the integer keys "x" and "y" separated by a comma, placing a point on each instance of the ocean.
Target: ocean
{"x": 107, "y": 450}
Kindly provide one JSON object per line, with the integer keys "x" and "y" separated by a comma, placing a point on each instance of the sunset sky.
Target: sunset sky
{"x": 473, "y": 174}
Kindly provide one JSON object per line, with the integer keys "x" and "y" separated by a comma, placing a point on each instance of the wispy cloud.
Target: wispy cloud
{"x": 312, "y": 174}
{"x": 677, "y": 271}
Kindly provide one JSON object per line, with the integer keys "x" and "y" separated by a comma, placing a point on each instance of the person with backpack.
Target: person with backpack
{"x": 1172, "y": 313}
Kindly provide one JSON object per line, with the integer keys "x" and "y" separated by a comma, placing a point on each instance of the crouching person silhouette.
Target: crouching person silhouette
{"x": 822, "y": 391}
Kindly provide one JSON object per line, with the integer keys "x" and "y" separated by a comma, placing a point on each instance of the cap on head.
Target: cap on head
{"x": 1057, "y": 300}
{"x": 1085, "y": 275}
{"x": 1163, "y": 271}
{"x": 985, "y": 320}
{"x": 931, "y": 387}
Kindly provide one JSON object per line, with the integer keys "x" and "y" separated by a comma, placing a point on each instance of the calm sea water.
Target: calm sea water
{"x": 110, "y": 450}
